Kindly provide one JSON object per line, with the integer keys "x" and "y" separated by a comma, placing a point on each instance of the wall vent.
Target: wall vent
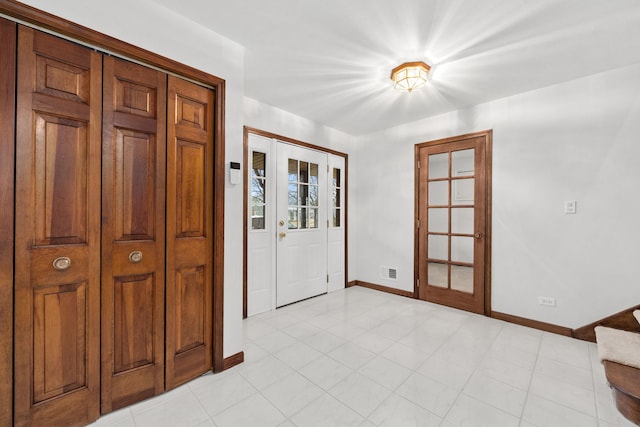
{"x": 388, "y": 273}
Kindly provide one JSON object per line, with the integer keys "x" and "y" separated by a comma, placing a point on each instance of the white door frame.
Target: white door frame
{"x": 260, "y": 245}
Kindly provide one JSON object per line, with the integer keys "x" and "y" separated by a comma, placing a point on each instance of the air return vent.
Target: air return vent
{"x": 388, "y": 273}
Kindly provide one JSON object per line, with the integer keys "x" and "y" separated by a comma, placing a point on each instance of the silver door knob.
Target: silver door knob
{"x": 135, "y": 256}
{"x": 61, "y": 263}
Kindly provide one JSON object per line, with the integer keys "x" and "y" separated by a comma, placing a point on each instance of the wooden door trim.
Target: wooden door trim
{"x": 245, "y": 194}
{"x": 31, "y": 16}
{"x": 83, "y": 35}
{"x": 7, "y": 153}
{"x": 488, "y": 141}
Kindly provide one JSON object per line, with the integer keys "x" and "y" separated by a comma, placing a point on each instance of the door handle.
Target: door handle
{"x": 281, "y": 223}
{"x": 61, "y": 263}
{"x": 135, "y": 257}
{"x": 282, "y": 234}
{"x": 478, "y": 235}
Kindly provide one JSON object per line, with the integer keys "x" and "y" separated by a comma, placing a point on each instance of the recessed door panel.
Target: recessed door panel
{"x": 60, "y": 183}
{"x": 57, "y": 279}
{"x": 59, "y": 340}
{"x": 61, "y": 79}
{"x": 133, "y": 322}
{"x": 191, "y": 201}
{"x": 133, "y": 236}
{"x": 189, "y": 256}
{"x": 135, "y": 185}
{"x": 190, "y": 306}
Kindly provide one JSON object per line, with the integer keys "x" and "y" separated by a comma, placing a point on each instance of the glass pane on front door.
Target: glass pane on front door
{"x": 336, "y": 185}
{"x": 302, "y": 195}
{"x": 258, "y": 190}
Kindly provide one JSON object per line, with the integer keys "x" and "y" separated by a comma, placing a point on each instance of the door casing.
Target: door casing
{"x": 345, "y": 211}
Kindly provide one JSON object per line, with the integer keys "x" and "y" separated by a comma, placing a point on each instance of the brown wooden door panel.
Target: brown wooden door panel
{"x": 441, "y": 266}
{"x": 60, "y": 321}
{"x": 61, "y": 193}
{"x": 189, "y": 232}
{"x": 7, "y": 154}
{"x": 57, "y": 312}
{"x": 133, "y": 177}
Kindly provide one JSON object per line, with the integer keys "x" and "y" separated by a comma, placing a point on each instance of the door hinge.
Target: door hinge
{"x": 418, "y": 164}
{"x": 327, "y": 223}
{"x": 327, "y": 278}
{"x": 327, "y": 167}
{"x": 418, "y": 223}
{"x": 417, "y": 283}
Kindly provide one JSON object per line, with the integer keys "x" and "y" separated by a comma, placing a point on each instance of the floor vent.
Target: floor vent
{"x": 388, "y": 273}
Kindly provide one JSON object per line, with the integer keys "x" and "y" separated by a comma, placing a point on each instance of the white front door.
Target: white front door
{"x": 301, "y": 239}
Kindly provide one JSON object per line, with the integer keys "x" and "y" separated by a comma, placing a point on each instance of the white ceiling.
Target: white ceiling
{"x": 329, "y": 60}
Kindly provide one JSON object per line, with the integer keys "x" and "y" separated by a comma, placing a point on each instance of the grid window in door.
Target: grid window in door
{"x": 302, "y": 195}
{"x": 450, "y": 220}
{"x": 258, "y": 190}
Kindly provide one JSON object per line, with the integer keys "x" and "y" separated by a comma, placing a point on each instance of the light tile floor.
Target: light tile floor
{"x": 362, "y": 358}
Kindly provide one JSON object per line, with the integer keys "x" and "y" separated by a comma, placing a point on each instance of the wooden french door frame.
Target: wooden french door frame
{"x": 249, "y": 130}
{"x": 486, "y": 137}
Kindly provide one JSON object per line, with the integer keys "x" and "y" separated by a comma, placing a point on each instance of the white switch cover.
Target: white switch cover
{"x": 569, "y": 206}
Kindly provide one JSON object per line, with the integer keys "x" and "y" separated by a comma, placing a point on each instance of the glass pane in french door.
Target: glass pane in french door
{"x": 450, "y": 220}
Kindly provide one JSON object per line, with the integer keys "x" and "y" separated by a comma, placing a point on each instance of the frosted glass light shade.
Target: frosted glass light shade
{"x": 410, "y": 76}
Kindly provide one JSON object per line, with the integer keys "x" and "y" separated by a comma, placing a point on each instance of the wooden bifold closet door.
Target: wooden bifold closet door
{"x": 189, "y": 232}
{"x": 113, "y": 232}
{"x": 133, "y": 217}
{"x": 57, "y": 263}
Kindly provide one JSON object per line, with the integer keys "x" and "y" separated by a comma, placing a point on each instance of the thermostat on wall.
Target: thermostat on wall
{"x": 234, "y": 173}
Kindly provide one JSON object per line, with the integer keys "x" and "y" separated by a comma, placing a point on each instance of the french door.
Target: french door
{"x": 452, "y": 227}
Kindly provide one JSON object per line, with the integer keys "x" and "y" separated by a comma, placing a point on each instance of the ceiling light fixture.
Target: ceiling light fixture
{"x": 410, "y": 76}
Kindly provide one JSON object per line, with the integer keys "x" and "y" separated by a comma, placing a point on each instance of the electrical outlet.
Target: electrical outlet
{"x": 548, "y": 301}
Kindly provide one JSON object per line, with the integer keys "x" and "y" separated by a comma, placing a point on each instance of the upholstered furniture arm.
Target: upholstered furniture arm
{"x": 618, "y": 346}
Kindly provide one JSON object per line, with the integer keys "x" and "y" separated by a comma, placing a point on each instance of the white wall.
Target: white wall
{"x": 159, "y": 30}
{"x": 275, "y": 120}
{"x": 572, "y": 141}
{"x": 576, "y": 140}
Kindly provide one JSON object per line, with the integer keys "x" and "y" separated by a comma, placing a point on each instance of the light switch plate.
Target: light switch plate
{"x": 570, "y": 206}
